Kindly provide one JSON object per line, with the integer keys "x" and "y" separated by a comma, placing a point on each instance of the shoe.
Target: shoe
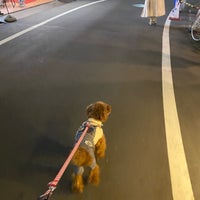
{"x": 152, "y": 21}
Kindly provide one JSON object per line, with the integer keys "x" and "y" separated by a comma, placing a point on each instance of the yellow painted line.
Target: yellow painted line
{"x": 180, "y": 178}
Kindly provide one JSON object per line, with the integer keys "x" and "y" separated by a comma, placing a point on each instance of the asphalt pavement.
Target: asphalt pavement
{"x": 58, "y": 58}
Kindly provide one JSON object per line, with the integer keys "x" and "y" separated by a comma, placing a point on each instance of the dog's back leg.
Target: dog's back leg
{"x": 77, "y": 180}
{"x": 94, "y": 177}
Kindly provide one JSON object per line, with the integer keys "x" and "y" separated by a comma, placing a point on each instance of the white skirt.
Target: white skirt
{"x": 153, "y": 8}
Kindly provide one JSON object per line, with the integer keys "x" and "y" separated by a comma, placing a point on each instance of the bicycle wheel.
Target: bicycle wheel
{"x": 195, "y": 29}
{"x": 195, "y": 33}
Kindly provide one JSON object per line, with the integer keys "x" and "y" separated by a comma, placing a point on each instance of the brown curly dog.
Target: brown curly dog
{"x": 92, "y": 147}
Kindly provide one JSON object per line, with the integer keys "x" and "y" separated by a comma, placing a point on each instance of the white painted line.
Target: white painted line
{"x": 139, "y": 5}
{"x": 12, "y": 37}
{"x": 180, "y": 178}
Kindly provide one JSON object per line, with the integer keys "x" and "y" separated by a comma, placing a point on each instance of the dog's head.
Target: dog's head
{"x": 99, "y": 111}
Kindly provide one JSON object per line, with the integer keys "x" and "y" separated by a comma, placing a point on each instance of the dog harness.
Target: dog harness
{"x": 92, "y": 136}
{"x": 88, "y": 140}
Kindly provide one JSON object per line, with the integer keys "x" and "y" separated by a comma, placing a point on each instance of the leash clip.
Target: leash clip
{"x": 48, "y": 193}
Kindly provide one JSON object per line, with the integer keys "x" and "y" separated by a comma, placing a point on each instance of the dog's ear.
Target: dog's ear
{"x": 108, "y": 109}
{"x": 90, "y": 110}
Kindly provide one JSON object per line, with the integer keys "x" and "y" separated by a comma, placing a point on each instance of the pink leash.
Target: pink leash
{"x": 52, "y": 185}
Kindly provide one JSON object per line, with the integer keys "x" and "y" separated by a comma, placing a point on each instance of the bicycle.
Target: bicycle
{"x": 195, "y": 28}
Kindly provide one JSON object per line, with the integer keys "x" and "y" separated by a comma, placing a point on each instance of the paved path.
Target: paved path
{"x": 53, "y": 63}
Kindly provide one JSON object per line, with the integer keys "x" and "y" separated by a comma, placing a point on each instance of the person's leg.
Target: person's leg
{"x": 153, "y": 21}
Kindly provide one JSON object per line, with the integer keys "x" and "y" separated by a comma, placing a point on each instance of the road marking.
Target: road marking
{"x": 180, "y": 178}
{"x": 12, "y": 37}
{"x": 139, "y": 5}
